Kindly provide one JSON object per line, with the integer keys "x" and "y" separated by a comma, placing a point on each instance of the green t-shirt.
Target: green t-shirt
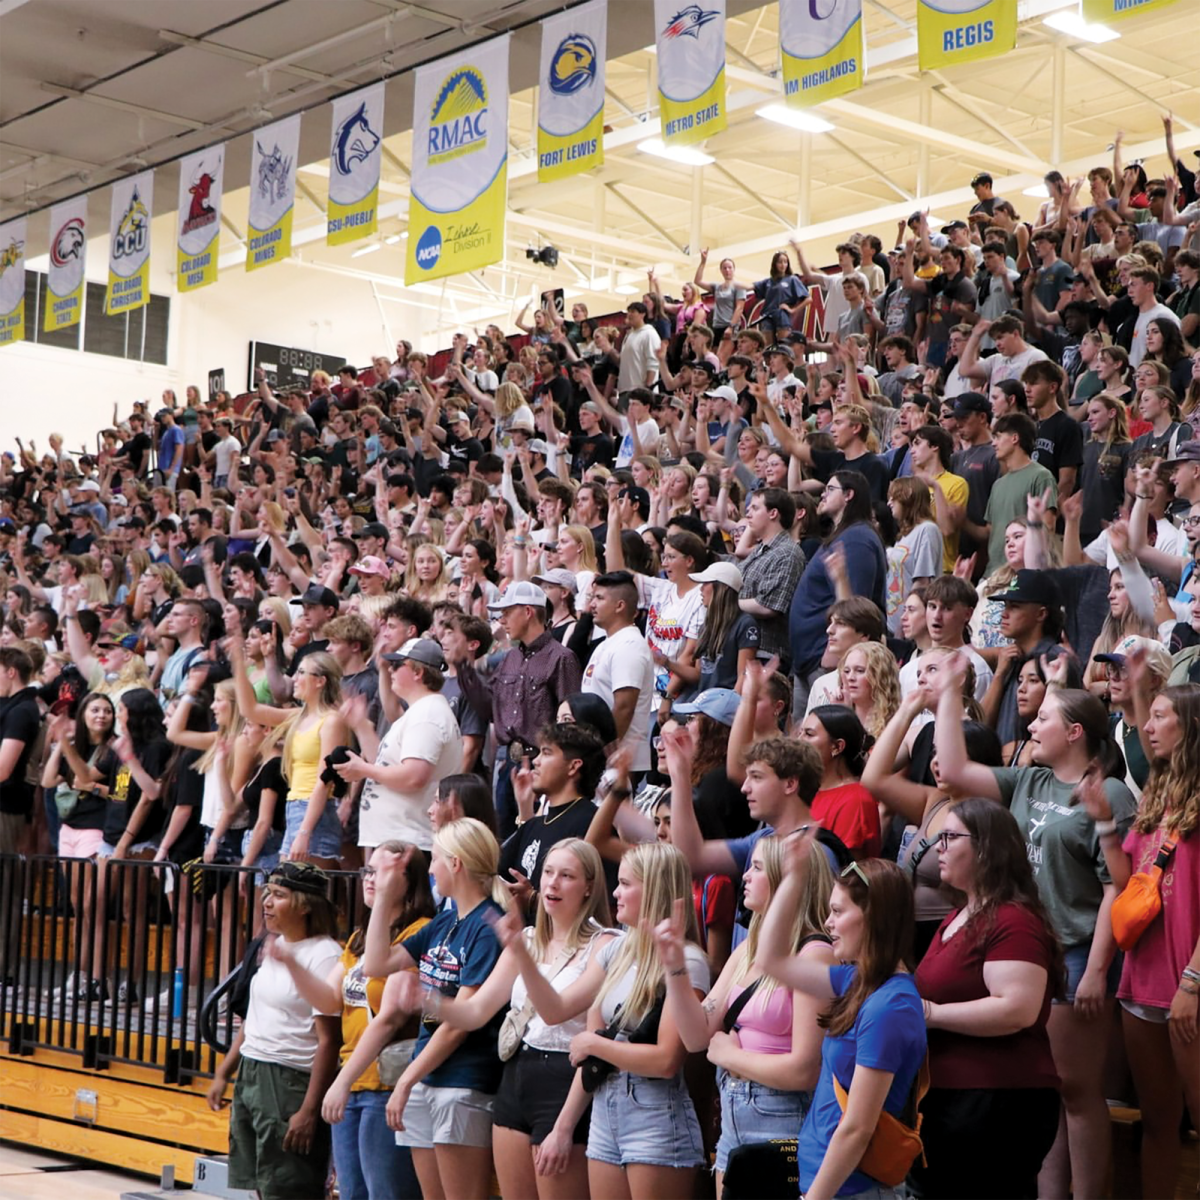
{"x": 1007, "y": 504}
{"x": 1063, "y": 845}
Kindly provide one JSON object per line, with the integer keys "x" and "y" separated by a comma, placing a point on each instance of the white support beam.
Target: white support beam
{"x": 245, "y": 56}
{"x": 140, "y": 110}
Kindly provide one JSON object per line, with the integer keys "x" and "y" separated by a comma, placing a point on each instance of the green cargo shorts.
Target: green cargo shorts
{"x": 265, "y": 1098}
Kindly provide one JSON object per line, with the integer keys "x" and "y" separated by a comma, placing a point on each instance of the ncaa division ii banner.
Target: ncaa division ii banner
{"x": 459, "y": 185}
{"x": 821, "y": 45}
{"x": 12, "y": 282}
{"x": 68, "y": 256}
{"x": 958, "y": 31}
{"x": 1101, "y": 12}
{"x": 570, "y": 131}
{"x": 691, "y": 69}
{"x": 272, "y": 192}
{"x": 198, "y": 220}
{"x": 355, "y": 155}
{"x": 129, "y": 244}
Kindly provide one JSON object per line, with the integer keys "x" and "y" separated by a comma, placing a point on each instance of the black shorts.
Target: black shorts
{"x": 532, "y": 1093}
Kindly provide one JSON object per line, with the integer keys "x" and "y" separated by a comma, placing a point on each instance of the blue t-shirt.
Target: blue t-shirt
{"x": 452, "y": 954}
{"x": 170, "y": 441}
{"x": 888, "y": 1035}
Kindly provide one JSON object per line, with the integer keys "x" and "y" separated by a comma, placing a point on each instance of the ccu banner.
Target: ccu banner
{"x": 1101, "y": 12}
{"x": 272, "y": 193}
{"x": 198, "y": 235}
{"x": 68, "y": 255}
{"x": 12, "y": 282}
{"x": 958, "y": 31}
{"x": 129, "y": 244}
{"x": 571, "y": 91}
{"x": 822, "y": 49}
{"x": 460, "y": 163}
{"x": 691, "y": 69}
{"x": 355, "y": 154}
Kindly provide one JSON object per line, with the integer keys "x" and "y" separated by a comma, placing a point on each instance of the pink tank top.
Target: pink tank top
{"x": 765, "y": 1026}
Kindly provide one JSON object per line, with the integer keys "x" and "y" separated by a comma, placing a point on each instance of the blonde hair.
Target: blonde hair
{"x": 884, "y": 680}
{"x": 475, "y": 846}
{"x": 508, "y": 399}
{"x": 652, "y": 465}
{"x": 228, "y": 732}
{"x": 665, "y": 877}
{"x": 95, "y": 590}
{"x": 281, "y": 614}
{"x": 330, "y": 697}
{"x": 587, "y": 546}
{"x": 593, "y": 916}
{"x": 431, "y": 593}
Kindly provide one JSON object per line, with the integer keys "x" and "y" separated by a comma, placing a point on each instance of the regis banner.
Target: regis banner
{"x": 958, "y": 31}
{"x": 821, "y": 44}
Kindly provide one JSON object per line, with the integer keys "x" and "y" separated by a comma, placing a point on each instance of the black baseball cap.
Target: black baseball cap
{"x": 372, "y": 529}
{"x": 316, "y": 594}
{"x": 1032, "y": 587}
{"x": 966, "y": 403}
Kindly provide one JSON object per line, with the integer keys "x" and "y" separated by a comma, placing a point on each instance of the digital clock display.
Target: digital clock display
{"x": 288, "y": 366}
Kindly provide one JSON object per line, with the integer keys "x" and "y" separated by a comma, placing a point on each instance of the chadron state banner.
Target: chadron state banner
{"x": 198, "y": 220}
{"x": 12, "y": 282}
{"x": 691, "y": 69}
{"x": 68, "y": 257}
{"x": 460, "y": 163}
{"x": 570, "y": 132}
{"x": 821, "y": 45}
{"x": 129, "y": 244}
{"x": 958, "y": 31}
{"x": 355, "y": 154}
{"x": 272, "y": 192}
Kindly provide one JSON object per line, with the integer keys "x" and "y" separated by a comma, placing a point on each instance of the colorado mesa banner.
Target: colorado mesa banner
{"x": 198, "y": 220}
{"x": 12, "y": 282}
{"x": 460, "y": 163}
{"x": 822, "y": 49}
{"x": 570, "y": 132}
{"x": 272, "y": 192}
{"x": 129, "y": 244}
{"x": 355, "y": 155}
{"x": 691, "y": 69}
{"x": 958, "y": 31}
{"x": 68, "y": 257}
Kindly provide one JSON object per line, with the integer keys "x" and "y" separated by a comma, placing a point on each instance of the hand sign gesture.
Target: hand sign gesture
{"x": 669, "y": 937}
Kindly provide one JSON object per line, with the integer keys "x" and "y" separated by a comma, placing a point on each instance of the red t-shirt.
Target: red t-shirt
{"x": 952, "y": 973}
{"x": 715, "y": 902}
{"x": 851, "y": 812}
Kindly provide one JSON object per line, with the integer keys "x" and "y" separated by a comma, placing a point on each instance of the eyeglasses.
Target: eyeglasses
{"x": 856, "y": 868}
{"x": 1194, "y": 519}
{"x": 367, "y": 873}
{"x": 943, "y": 839}
{"x": 832, "y": 487}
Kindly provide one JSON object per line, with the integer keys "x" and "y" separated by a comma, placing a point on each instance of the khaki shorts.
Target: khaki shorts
{"x": 446, "y": 1116}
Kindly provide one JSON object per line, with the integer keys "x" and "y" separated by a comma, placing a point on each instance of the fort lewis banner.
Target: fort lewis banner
{"x": 68, "y": 257}
{"x": 129, "y": 244}
{"x": 691, "y": 69}
{"x": 198, "y": 220}
{"x": 821, "y": 45}
{"x": 355, "y": 155}
{"x": 958, "y": 31}
{"x": 570, "y": 132}
{"x": 272, "y": 192}
{"x": 459, "y": 183}
{"x": 12, "y": 282}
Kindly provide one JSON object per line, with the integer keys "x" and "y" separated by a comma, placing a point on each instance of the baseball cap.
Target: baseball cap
{"x": 373, "y": 529}
{"x": 1158, "y": 658}
{"x": 521, "y": 592}
{"x": 1186, "y": 452}
{"x": 638, "y": 495}
{"x": 371, "y": 564}
{"x": 780, "y": 348}
{"x": 523, "y": 424}
{"x": 276, "y": 435}
{"x": 966, "y": 403}
{"x": 1031, "y": 587}
{"x": 422, "y": 650}
{"x": 7, "y": 525}
{"x": 721, "y": 704}
{"x": 592, "y": 407}
{"x": 724, "y": 392}
{"x": 538, "y": 446}
{"x": 89, "y": 485}
{"x": 955, "y": 225}
{"x": 301, "y": 877}
{"x": 316, "y": 594}
{"x": 982, "y": 177}
{"x": 719, "y": 572}
{"x": 459, "y": 416}
{"x": 559, "y": 577}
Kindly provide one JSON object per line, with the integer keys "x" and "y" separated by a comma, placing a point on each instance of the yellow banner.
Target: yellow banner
{"x": 559, "y": 157}
{"x": 1101, "y": 12}
{"x": 271, "y": 245}
{"x": 194, "y": 271}
{"x": 685, "y": 121}
{"x": 349, "y": 222}
{"x": 127, "y": 292}
{"x": 958, "y": 31}
{"x": 198, "y": 218}
{"x": 63, "y": 311}
{"x": 12, "y": 281}
{"x": 809, "y": 80}
{"x": 129, "y": 244}
{"x": 464, "y": 240}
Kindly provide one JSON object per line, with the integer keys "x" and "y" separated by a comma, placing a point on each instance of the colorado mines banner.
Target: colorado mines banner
{"x": 459, "y": 183}
{"x": 958, "y": 31}
{"x": 129, "y": 244}
{"x": 272, "y": 193}
{"x": 198, "y": 220}
{"x": 821, "y": 46}
{"x": 571, "y": 91}
{"x": 691, "y": 69}
{"x": 68, "y": 257}
{"x": 355, "y": 155}
{"x": 12, "y": 282}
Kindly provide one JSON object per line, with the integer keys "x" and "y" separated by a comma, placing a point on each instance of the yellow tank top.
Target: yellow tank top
{"x": 306, "y": 762}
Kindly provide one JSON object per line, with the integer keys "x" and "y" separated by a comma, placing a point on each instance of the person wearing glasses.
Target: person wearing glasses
{"x": 872, "y": 1014}
{"x": 987, "y": 981}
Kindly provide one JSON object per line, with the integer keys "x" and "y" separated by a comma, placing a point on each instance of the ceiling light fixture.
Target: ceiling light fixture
{"x": 393, "y": 238}
{"x": 625, "y": 290}
{"x": 1040, "y": 190}
{"x": 794, "y": 118}
{"x": 1069, "y": 21}
{"x": 371, "y": 249}
{"x": 686, "y": 156}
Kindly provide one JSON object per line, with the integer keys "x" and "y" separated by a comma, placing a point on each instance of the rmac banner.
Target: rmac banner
{"x": 355, "y": 153}
{"x": 691, "y": 69}
{"x": 272, "y": 193}
{"x": 129, "y": 244}
{"x": 198, "y": 221}
{"x": 958, "y": 31}
{"x": 12, "y": 282}
{"x": 460, "y": 163}
{"x": 1103, "y": 12}
{"x": 68, "y": 256}
{"x": 822, "y": 49}
{"x": 571, "y": 91}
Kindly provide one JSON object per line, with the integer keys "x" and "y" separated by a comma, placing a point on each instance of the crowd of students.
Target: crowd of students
{"x": 738, "y": 732}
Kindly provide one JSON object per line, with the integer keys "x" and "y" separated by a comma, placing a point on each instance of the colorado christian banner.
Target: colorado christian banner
{"x": 460, "y": 163}
{"x": 12, "y": 282}
{"x": 68, "y": 256}
{"x": 958, "y": 31}
{"x": 1102, "y": 12}
{"x": 822, "y": 49}
{"x": 129, "y": 244}
{"x": 198, "y": 221}
{"x": 691, "y": 69}
{"x": 272, "y": 192}
{"x": 355, "y": 154}
{"x": 571, "y": 91}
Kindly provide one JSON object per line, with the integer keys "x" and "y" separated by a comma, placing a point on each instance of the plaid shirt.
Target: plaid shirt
{"x": 769, "y": 576}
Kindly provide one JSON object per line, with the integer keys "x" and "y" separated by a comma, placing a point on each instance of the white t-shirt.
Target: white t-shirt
{"x": 697, "y": 968}
{"x": 673, "y": 618}
{"x": 623, "y": 660}
{"x": 999, "y": 367}
{"x": 226, "y": 452}
{"x": 1169, "y": 539}
{"x": 639, "y": 358}
{"x": 648, "y": 434}
{"x": 280, "y": 1024}
{"x": 539, "y": 1035}
{"x": 1137, "y": 348}
{"x": 983, "y": 674}
{"x": 427, "y": 731}
{"x": 835, "y": 299}
{"x": 825, "y": 689}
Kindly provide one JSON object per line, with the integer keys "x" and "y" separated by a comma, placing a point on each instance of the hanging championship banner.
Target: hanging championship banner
{"x": 571, "y": 91}
{"x": 198, "y": 236}
{"x": 129, "y": 244}
{"x": 355, "y": 156}
{"x": 822, "y": 49}
{"x": 691, "y": 69}
{"x": 272, "y": 192}
{"x": 958, "y": 31}
{"x": 68, "y": 255}
{"x": 12, "y": 282}
{"x": 1101, "y": 12}
{"x": 460, "y": 163}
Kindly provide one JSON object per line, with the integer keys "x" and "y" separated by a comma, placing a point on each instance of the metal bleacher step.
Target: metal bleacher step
{"x": 211, "y": 1176}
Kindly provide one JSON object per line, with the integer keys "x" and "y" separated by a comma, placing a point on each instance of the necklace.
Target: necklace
{"x": 547, "y": 821}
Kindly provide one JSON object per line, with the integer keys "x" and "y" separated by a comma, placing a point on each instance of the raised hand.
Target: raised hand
{"x": 669, "y": 937}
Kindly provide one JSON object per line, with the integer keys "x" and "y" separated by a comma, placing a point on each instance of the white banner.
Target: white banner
{"x": 272, "y": 192}
{"x": 198, "y": 230}
{"x": 355, "y": 155}
{"x": 821, "y": 46}
{"x": 129, "y": 244}
{"x": 571, "y": 91}
{"x": 691, "y": 69}
{"x": 12, "y": 281}
{"x": 68, "y": 257}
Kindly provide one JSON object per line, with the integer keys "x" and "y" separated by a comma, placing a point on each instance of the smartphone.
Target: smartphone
{"x": 289, "y": 492}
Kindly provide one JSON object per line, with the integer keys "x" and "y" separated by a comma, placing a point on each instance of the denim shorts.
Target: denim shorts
{"x": 446, "y": 1116}
{"x": 752, "y": 1112}
{"x": 107, "y": 849}
{"x": 268, "y": 856}
{"x": 326, "y": 839}
{"x": 637, "y": 1120}
{"x": 1075, "y": 959}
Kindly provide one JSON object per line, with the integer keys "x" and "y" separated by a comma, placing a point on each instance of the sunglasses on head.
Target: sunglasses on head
{"x": 856, "y": 869}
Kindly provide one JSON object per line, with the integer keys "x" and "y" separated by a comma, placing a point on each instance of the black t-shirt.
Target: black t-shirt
{"x": 186, "y": 790}
{"x": 596, "y": 449}
{"x": 1059, "y": 443}
{"x": 722, "y": 671}
{"x": 526, "y": 850}
{"x": 136, "y": 450}
{"x": 826, "y": 462}
{"x": 720, "y": 805}
{"x": 20, "y": 718}
{"x": 91, "y": 807}
{"x": 126, "y": 792}
{"x": 268, "y": 778}
{"x": 1102, "y": 481}
{"x": 464, "y": 449}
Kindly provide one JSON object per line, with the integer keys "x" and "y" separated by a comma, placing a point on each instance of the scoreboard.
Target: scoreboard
{"x": 286, "y": 366}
